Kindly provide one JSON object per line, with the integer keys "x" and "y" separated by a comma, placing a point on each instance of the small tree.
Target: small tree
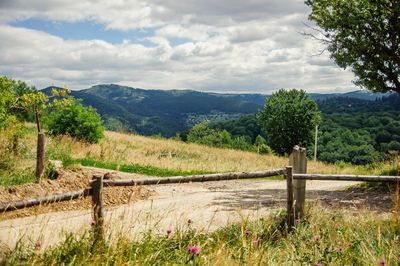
{"x": 363, "y": 35}
{"x": 76, "y": 120}
{"x": 289, "y": 117}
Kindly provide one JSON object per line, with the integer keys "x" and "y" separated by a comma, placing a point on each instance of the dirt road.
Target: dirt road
{"x": 208, "y": 205}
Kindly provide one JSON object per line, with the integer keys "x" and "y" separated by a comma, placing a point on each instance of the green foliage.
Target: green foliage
{"x": 355, "y": 147}
{"x": 363, "y": 35}
{"x": 6, "y": 98}
{"x": 289, "y": 117}
{"x": 77, "y": 121}
{"x": 202, "y": 133}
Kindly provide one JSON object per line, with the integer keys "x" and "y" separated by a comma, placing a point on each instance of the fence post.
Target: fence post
{"x": 40, "y": 155}
{"x": 289, "y": 184}
{"x": 97, "y": 200}
{"x": 298, "y": 160}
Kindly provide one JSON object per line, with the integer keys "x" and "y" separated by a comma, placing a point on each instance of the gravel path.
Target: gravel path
{"x": 209, "y": 205}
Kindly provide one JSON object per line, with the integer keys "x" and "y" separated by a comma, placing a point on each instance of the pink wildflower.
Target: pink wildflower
{"x": 92, "y": 222}
{"x": 339, "y": 249}
{"x": 38, "y": 245}
{"x": 317, "y": 238}
{"x": 319, "y": 264}
{"x": 169, "y": 231}
{"x": 382, "y": 262}
{"x": 194, "y": 249}
{"x": 247, "y": 232}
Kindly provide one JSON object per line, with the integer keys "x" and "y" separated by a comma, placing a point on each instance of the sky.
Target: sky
{"x": 235, "y": 46}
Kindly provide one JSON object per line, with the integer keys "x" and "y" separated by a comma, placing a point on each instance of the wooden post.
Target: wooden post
{"x": 97, "y": 199}
{"x": 298, "y": 160}
{"x": 289, "y": 183}
{"x": 40, "y": 156}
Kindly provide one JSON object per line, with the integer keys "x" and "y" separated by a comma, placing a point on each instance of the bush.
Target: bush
{"x": 76, "y": 120}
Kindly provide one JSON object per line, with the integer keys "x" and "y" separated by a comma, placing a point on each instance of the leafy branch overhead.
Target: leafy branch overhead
{"x": 363, "y": 35}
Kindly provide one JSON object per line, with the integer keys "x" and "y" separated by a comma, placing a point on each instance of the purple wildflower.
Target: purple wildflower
{"x": 382, "y": 262}
{"x": 194, "y": 249}
{"x": 247, "y": 232}
{"x": 38, "y": 245}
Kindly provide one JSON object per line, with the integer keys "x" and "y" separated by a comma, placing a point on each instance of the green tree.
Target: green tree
{"x": 76, "y": 120}
{"x": 6, "y": 98}
{"x": 289, "y": 117}
{"x": 363, "y": 35}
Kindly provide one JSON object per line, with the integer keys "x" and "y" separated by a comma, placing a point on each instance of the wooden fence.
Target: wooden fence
{"x": 295, "y": 174}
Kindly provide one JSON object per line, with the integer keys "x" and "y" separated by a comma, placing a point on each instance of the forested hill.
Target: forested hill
{"x": 352, "y": 130}
{"x": 167, "y": 112}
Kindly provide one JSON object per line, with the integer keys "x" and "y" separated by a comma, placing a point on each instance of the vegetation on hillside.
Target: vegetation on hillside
{"x": 351, "y": 130}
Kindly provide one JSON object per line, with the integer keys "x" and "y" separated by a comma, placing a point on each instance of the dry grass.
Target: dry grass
{"x": 171, "y": 154}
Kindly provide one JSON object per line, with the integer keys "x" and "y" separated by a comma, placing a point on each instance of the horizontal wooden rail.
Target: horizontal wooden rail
{"x": 366, "y": 178}
{"x": 45, "y": 199}
{"x": 137, "y": 182}
{"x": 193, "y": 178}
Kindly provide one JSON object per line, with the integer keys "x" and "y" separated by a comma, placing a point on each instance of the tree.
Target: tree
{"x": 6, "y": 98}
{"x": 363, "y": 35}
{"x": 76, "y": 120}
{"x": 289, "y": 117}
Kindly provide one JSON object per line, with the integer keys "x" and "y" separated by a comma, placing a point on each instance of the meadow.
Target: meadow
{"x": 324, "y": 237}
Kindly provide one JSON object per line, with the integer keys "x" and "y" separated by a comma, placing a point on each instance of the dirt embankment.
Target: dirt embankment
{"x": 67, "y": 181}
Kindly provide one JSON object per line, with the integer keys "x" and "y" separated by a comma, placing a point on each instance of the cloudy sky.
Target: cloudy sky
{"x": 209, "y": 45}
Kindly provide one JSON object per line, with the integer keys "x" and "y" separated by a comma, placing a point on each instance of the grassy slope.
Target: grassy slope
{"x": 157, "y": 157}
{"x": 175, "y": 155}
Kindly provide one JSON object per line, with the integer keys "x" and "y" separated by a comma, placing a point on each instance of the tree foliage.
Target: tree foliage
{"x": 289, "y": 117}
{"x": 76, "y": 120}
{"x": 363, "y": 35}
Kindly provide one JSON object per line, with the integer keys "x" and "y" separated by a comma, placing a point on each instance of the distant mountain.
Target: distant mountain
{"x": 167, "y": 112}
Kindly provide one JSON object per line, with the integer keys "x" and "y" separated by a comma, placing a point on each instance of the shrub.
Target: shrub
{"x": 76, "y": 120}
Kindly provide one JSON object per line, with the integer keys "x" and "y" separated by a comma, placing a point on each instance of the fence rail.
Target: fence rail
{"x": 295, "y": 174}
{"x": 365, "y": 178}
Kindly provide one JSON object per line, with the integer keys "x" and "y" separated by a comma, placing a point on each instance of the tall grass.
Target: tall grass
{"x": 157, "y": 157}
{"x": 328, "y": 237}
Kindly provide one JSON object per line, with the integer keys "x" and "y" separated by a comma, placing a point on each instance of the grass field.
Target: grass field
{"x": 156, "y": 157}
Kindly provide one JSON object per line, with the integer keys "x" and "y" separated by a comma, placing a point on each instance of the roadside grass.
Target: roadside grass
{"x": 328, "y": 237}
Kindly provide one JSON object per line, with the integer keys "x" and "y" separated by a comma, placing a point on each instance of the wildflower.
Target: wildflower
{"x": 92, "y": 222}
{"x": 189, "y": 222}
{"x": 339, "y": 249}
{"x": 382, "y": 262}
{"x": 38, "y": 245}
{"x": 247, "y": 232}
{"x": 169, "y": 231}
{"x": 194, "y": 249}
{"x": 317, "y": 238}
{"x": 319, "y": 264}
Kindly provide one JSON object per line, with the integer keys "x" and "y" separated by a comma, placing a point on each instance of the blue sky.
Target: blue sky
{"x": 222, "y": 46}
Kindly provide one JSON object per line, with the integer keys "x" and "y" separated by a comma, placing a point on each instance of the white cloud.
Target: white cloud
{"x": 234, "y": 46}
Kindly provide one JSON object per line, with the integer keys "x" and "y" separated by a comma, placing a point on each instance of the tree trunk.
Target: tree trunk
{"x": 40, "y": 156}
